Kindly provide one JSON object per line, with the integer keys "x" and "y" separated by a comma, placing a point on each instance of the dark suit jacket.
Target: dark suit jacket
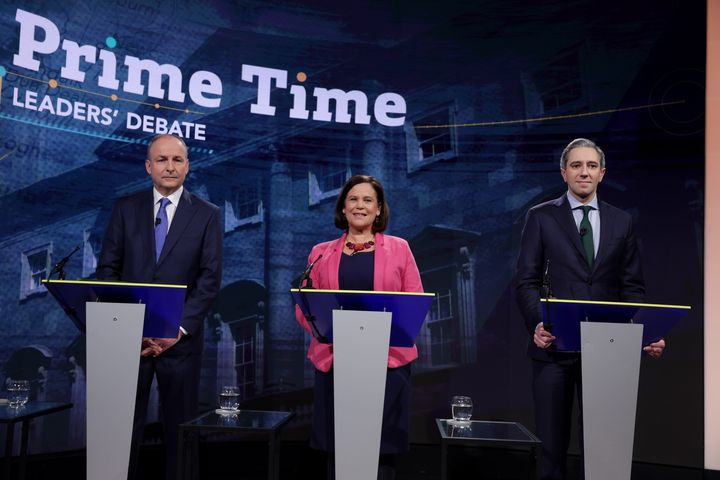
{"x": 550, "y": 233}
{"x": 191, "y": 255}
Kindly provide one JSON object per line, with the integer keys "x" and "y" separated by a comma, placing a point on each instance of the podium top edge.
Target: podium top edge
{"x": 378, "y": 292}
{"x": 627, "y": 304}
{"x": 122, "y": 284}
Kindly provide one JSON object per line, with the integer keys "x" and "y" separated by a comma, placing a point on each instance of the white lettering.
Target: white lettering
{"x": 133, "y": 121}
{"x": 342, "y": 103}
{"x": 298, "y": 109}
{"x": 28, "y": 47}
{"x": 203, "y": 83}
{"x": 155, "y": 73}
{"x": 158, "y": 125}
{"x": 265, "y": 77}
{"x": 62, "y": 107}
{"x": 107, "y": 78}
{"x": 74, "y": 53}
{"x": 46, "y": 104}
{"x": 387, "y": 104}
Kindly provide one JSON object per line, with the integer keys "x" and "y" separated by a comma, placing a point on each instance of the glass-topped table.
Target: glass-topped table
{"x": 484, "y": 433}
{"x": 24, "y": 414}
{"x": 266, "y": 424}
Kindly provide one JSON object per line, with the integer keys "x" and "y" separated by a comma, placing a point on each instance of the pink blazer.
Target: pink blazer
{"x": 395, "y": 271}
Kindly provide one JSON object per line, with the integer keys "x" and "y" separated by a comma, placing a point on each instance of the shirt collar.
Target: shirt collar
{"x": 575, "y": 203}
{"x": 173, "y": 197}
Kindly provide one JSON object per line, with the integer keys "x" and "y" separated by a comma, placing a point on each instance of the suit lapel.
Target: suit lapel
{"x": 380, "y": 256}
{"x": 606, "y": 225}
{"x": 563, "y": 215}
{"x": 184, "y": 213}
{"x": 147, "y": 222}
{"x": 332, "y": 266}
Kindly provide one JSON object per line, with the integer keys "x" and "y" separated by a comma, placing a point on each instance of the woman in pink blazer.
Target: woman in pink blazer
{"x": 363, "y": 258}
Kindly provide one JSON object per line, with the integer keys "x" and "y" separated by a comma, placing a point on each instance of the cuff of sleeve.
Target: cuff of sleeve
{"x": 184, "y": 332}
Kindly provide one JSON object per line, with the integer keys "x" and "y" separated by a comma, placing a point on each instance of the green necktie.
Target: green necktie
{"x": 586, "y": 235}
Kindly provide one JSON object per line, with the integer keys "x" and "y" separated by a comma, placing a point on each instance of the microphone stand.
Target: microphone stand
{"x": 305, "y": 277}
{"x": 59, "y": 267}
{"x": 546, "y": 293}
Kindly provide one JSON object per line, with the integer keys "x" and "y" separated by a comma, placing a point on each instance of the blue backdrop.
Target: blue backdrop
{"x": 461, "y": 109}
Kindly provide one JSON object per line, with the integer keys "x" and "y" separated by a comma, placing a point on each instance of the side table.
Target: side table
{"x": 11, "y": 416}
{"x": 484, "y": 433}
{"x": 256, "y": 422}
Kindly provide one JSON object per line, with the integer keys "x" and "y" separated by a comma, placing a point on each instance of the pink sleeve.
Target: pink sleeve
{"x": 411, "y": 274}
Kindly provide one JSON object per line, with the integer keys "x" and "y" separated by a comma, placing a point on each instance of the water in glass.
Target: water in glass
{"x": 229, "y": 398}
{"x": 462, "y": 408}
{"x": 18, "y": 392}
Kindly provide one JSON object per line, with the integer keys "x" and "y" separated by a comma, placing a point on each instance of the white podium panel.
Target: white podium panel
{"x": 610, "y": 372}
{"x": 113, "y": 336}
{"x": 360, "y": 345}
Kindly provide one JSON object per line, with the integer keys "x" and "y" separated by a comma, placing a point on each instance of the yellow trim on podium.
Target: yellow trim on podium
{"x": 126, "y": 284}
{"x": 419, "y": 294}
{"x": 629, "y": 304}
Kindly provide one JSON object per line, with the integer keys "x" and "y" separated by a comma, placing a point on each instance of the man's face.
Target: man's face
{"x": 168, "y": 164}
{"x": 582, "y": 173}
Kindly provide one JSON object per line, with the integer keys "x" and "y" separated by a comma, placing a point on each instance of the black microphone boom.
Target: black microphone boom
{"x": 309, "y": 316}
{"x": 59, "y": 267}
{"x": 546, "y": 293}
{"x": 305, "y": 275}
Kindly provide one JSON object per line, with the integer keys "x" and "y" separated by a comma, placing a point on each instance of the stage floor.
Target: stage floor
{"x": 232, "y": 460}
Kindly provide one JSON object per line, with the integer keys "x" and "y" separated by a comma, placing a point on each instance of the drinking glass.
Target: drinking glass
{"x": 18, "y": 392}
{"x": 462, "y": 408}
{"x": 229, "y": 398}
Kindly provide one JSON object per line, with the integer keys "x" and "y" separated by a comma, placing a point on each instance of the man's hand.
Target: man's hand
{"x": 542, "y": 338}
{"x": 149, "y": 347}
{"x": 655, "y": 349}
{"x": 156, "y": 346}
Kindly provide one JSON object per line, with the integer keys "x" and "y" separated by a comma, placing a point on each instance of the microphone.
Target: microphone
{"x": 546, "y": 280}
{"x": 158, "y": 221}
{"x": 583, "y": 231}
{"x": 309, "y": 316}
{"x": 58, "y": 268}
{"x": 546, "y": 292}
{"x": 305, "y": 275}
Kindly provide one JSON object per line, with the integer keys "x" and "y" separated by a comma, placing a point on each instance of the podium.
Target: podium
{"x": 361, "y": 326}
{"x": 610, "y": 336}
{"x": 114, "y": 318}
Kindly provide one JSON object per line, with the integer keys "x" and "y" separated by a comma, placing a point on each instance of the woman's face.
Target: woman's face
{"x": 361, "y": 208}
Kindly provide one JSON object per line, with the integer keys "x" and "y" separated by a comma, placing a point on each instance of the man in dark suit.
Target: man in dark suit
{"x": 167, "y": 235}
{"x": 584, "y": 249}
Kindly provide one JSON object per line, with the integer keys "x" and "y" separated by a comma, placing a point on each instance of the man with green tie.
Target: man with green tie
{"x": 583, "y": 249}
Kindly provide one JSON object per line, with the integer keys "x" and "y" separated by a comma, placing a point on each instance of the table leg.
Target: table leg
{"x": 273, "y": 457}
{"x": 23, "y": 447}
{"x": 181, "y": 454}
{"x": 10, "y": 432}
{"x": 535, "y": 452}
{"x": 443, "y": 460}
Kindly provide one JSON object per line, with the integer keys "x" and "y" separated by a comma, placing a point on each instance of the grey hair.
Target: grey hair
{"x": 577, "y": 143}
{"x": 162, "y": 135}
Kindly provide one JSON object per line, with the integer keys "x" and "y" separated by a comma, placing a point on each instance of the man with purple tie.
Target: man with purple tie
{"x": 585, "y": 249}
{"x": 167, "y": 235}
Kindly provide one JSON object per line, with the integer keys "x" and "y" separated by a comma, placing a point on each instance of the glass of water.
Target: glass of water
{"x": 462, "y": 408}
{"x": 229, "y": 398}
{"x": 18, "y": 392}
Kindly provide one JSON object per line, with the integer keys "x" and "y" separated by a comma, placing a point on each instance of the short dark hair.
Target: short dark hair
{"x": 381, "y": 222}
{"x": 577, "y": 143}
{"x": 162, "y": 135}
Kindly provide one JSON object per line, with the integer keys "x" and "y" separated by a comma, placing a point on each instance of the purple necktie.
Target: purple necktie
{"x": 161, "y": 227}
